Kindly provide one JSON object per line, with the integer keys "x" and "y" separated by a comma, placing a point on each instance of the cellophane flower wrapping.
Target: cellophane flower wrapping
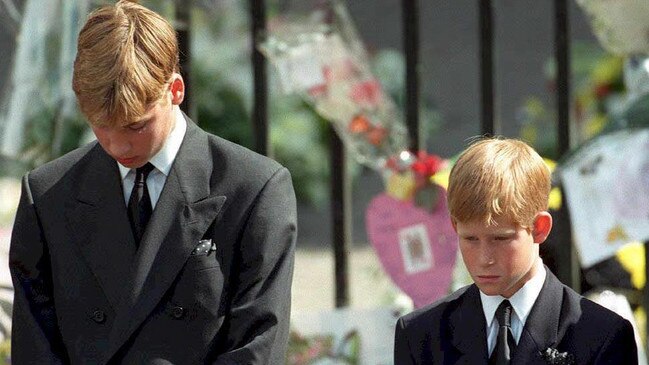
{"x": 322, "y": 58}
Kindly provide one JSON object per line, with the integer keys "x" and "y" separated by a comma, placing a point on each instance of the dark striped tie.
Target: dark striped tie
{"x": 505, "y": 343}
{"x": 139, "y": 205}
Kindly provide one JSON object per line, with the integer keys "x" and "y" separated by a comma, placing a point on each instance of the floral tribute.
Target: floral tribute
{"x": 409, "y": 177}
{"x": 322, "y": 59}
{"x": 320, "y": 349}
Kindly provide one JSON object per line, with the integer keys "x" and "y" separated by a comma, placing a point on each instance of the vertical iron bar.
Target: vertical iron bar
{"x": 341, "y": 218}
{"x": 568, "y": 269}
{"x": 486, "y": 68}
{"x": 411, "y": 48}
{"x": 260, "y": 108}
{"x": 183, "y": 13}
{"x": 562, "y": 45}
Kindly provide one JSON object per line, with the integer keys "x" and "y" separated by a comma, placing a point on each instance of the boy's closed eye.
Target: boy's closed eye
{"x": 137, "y": 125}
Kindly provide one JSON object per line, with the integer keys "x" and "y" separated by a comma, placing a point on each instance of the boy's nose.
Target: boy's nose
{"x": 487, "y": 257}
{"x": 119, "y": 148}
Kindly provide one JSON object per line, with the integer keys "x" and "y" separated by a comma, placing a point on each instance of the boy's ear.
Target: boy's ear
{"x": 177, "y": 89}
{"x": 541, "y": 226}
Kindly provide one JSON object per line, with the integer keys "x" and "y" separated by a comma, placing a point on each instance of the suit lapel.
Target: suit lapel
{"x": 542, "y": 326}
{"x": 468, "y": 329}
{"x": 99, "y": 225}
{"x": 183, "y": 213}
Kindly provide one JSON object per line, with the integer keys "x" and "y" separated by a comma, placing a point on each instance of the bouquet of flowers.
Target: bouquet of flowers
{"x": 323, "y": 59}
{"x": 321, "y": 349}
{"x": 409, "y": 177}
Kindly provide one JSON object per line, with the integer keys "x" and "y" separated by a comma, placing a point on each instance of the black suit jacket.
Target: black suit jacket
{"x": 83, "y": 295}
{"x": 452, "y": 330}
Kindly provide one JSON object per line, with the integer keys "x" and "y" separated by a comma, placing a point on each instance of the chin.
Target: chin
{"x": 488, "y": 290}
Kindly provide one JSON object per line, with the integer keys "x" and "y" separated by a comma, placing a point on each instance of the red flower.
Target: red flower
{"x": 602, "y": 90}
{"x": 427, "y": 165}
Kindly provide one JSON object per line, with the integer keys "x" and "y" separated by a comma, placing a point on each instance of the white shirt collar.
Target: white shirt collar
{"x": 522, "y": 301}
{"x": 167, "y": 154}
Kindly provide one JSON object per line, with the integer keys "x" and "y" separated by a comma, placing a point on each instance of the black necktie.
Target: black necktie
{"x": 139, "y": 205}
{"x": 505, "y": 343}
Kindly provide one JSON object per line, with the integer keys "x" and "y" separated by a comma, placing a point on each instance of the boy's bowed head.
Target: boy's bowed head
{"x": 498, "y": 200}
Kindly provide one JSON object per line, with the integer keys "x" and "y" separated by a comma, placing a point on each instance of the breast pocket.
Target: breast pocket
{"x": 198, "y": 289}
{"x": 203, "y": 256}
{"x": 202, "y": 262}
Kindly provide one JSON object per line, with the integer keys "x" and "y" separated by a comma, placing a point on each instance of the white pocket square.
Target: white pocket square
{"x": 204, "y": 247}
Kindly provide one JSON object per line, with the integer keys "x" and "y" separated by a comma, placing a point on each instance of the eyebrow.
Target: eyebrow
{"x": 492, "y": 234}
{"x": 504, "y": 233}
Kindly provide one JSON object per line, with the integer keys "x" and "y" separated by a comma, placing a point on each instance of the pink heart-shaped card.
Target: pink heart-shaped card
{"x": 417, "y": 248}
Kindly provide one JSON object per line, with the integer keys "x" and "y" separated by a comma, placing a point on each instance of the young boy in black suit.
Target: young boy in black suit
{"x": 158, "y": 243}
{"x": 516, "y": 312}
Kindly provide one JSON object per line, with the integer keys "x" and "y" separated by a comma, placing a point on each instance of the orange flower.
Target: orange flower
{"x": 360, "y": 124}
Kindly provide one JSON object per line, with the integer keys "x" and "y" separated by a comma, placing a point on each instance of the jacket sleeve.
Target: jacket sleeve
{"x": 620, "y": 347}
{"x": 35, "y": 337}
{"x": 257, "y": 324}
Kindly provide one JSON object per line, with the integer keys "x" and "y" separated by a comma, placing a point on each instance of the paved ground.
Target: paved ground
{"x": 314, "y": 287}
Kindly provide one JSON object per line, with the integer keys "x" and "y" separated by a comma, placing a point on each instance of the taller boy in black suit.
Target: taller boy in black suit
{"x": 160, "y": 243}
{"x": 516, "y": 312}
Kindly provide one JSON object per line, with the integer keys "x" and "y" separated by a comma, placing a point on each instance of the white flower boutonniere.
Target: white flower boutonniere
{"x": 554, "y": 357}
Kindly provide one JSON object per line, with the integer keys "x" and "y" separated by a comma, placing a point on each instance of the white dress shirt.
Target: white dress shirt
{"x": 522, "y": 302}
{"x": 162, "y": 162}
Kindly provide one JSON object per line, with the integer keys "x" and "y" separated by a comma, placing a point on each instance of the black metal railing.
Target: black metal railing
{"x": 568, "y": 270}
{"x": 567, "y": 266}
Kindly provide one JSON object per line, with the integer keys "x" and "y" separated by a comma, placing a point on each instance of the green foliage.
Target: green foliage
{"x": 5, "y": 352}
{"x": 221, "y": 109}
{"x": 299, "y": 138}
{"x": 222, "y": 93}
{"x": 597, "y": 93}
{"x": 49, "y": 135}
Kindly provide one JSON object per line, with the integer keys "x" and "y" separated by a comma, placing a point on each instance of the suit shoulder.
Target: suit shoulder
{"x": 591, "y": 314}
{"x": 244, "y": 170}
{"x": 46, "y": 175}
{"x": 241, "y": 160}
{"x": 432, "y": 314}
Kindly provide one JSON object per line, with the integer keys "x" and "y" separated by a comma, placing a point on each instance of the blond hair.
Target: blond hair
{"x": 126, "y": 54}
{"x": 497, "y": 177}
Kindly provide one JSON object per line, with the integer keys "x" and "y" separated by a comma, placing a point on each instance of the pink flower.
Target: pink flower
{"x": 367, "y": 92}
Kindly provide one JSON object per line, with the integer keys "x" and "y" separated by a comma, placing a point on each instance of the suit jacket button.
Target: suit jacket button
{"x": 178, "y": 312}
{"x": 99, "y": 316}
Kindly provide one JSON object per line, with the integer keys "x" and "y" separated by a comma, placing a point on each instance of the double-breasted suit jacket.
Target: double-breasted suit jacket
{"x": 84, "y": 294}
{"x": 452, "y": 331}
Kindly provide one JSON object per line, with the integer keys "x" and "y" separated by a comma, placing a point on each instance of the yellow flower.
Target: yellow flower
{"x": 631, "y": 257}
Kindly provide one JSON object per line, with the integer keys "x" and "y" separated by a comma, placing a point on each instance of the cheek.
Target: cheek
{"x": 101, "y": 136}
{"x": 104, "y": 139}
{"x": 155, "y": 136}
{"x": 468, "y": 254}
{"x": 143, "y": 140}
{"x": 516, "y": 258}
